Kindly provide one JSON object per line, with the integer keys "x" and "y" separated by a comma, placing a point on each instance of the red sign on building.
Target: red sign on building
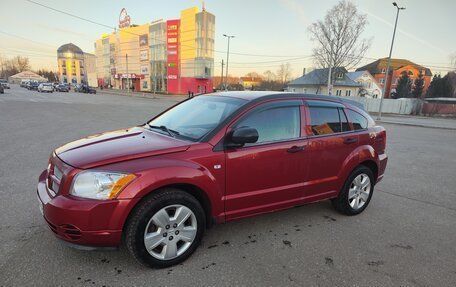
{"x": 172, "y": 46}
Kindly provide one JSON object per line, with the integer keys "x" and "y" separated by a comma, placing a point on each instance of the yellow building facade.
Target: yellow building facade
{"x": 123, "y": 58}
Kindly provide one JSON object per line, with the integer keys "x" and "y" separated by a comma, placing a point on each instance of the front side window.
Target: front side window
{"x": 195, "y": 118}
{"x": 274, "y": 124}
{"x": 359, "y": 121}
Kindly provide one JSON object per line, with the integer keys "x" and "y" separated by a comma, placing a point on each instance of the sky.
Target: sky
{"x": 269, "y": 32}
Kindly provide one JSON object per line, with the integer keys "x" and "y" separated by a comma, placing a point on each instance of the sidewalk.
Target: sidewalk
{"x": 418, "y": 121}
{"x": 170, "y": 97}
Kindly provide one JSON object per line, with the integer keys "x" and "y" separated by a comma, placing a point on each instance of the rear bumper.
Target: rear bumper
{"x": 382, "y": 161}
{"x": 92, "y": 223}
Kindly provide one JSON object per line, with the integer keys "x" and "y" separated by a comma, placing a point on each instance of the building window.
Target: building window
{"x": 382, "y": 81}
{"x": 383, "y": 70}
{"x": 348, "y": 93}
{"x": 338, "y": 92}
{"x": 340, "y": 75}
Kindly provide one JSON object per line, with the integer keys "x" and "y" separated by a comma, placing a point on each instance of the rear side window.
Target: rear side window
{"x": 325, "y": 120}
{"x": 359, "y": 121}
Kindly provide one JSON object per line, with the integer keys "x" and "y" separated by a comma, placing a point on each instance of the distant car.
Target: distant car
{"x": 55, "y": 84}
{"x": 87, "y": 89}
{"x": 45, "y": 87}
{"x": 77, "y": 88}
{"x": 1, "y": 89}
{"x": 32, "y": 85}
{"x": 5, "y": 84}
{"x": 24, "y": 83}
{"x": 62, "y": 88}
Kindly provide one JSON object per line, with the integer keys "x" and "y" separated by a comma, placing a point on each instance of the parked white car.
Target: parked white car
{"x": 45, "y": 87}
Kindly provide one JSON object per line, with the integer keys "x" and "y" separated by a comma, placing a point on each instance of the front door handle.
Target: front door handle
{"x": 294, "y": 149}
{"x": 350, "y": 140}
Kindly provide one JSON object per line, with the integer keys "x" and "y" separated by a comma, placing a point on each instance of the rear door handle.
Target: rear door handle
{"x": 350, "y": 140}
{"x": 294, "y": 149}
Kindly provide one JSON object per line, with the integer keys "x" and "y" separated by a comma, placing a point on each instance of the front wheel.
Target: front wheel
{"x": 166, "y": 228}
{"x": 356, "y": 193}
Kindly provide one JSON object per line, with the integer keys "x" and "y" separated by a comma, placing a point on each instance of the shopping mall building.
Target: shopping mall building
{"x": 173, "y": 56}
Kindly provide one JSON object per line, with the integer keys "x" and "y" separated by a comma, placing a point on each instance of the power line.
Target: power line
{"x": 69, "y": 14}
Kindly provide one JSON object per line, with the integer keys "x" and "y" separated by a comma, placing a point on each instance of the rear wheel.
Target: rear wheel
{"x": 356, "y": 193}
{"x": 166, "y": 228}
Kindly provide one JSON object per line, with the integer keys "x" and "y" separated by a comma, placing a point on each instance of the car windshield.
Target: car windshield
{"x": 195, "y": 118}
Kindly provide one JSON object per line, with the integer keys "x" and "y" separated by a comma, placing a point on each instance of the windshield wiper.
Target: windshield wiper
{"x": 171, "y": 132}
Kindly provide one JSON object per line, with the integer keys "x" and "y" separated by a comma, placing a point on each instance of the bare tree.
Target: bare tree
{"x": 21, "y": 63}
{"x": 269, "y": 76}
{"x": 453, "y": 60}
{"x": 338, "y": 37}
{"x": 284, "y": 73}
{"x": 253, "y": 75}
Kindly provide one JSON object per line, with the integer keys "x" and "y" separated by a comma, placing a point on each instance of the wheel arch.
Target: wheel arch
{"x": 193, "y": 190}
{"x": 372, "y": 165}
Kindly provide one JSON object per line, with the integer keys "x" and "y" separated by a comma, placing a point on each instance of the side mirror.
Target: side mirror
{"x": 241, "y": 136}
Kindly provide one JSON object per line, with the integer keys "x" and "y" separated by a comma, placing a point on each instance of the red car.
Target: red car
{"x": 210, "y": 159}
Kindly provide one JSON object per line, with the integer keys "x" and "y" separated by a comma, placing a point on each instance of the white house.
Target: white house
{"x": 316, "y": 82}
{"x": 369, "y": 86}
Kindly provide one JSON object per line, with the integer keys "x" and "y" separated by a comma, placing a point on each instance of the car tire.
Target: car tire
{"x": 153, "y": 218}
{"x": 356, "y": 192}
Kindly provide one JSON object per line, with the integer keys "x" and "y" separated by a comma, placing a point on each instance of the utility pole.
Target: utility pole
{"x": 389, "y": 62}
{"x": 227, "y": 56}
{"x": 128, "y": 76}
{"x": 329, "y": 81}
{"x": 221, "y": 79}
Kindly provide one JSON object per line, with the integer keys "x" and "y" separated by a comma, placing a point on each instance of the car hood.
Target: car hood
{"x": 116, "y": 146}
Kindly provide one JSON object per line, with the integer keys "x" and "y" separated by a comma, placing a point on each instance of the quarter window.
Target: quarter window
{"x": 359, "y": 121}
{"x": 274, "y": 124}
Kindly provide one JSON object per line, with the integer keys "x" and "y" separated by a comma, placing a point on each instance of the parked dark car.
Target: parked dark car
{"x": 210, "y": 159}
{"x": 33, "y": 85}
{"x": 87, "y": 89}
{"x": 62, "y": 88}
{"x": 2, "y": 91}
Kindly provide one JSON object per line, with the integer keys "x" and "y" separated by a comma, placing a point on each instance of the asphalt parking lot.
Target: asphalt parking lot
{"x": 406, "y": 237}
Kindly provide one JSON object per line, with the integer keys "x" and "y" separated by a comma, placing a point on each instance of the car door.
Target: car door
{"x": 269, "y": 174}
{"x": 331, "y": 145}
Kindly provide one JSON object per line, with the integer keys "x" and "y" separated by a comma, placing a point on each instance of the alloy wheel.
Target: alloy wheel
{"x": 170, "y": 232}
{"x": 359, "y": 191}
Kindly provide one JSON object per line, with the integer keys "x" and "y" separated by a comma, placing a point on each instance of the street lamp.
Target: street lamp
{"x": 227, "y": 57}
{"x": 389, "y": 62}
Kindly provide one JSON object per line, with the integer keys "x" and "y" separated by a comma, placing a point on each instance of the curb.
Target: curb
{"x": 416, "y": 125}
{"x": 143, "y": 95}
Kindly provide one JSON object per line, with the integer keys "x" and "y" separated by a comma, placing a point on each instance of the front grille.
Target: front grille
{"x": 58, "y": 173}
{"x": 54, "y": 179}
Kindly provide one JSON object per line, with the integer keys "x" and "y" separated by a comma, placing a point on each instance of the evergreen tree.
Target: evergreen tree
{"x": 419, "y": 87}
{"x": 404, "y": 86}
{"x": 440, "y": 87}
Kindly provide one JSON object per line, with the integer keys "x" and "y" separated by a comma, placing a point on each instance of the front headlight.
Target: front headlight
{"x": 100, "y": 184}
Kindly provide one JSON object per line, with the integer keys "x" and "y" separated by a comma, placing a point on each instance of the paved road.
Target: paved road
{"x": 405, "y": 238}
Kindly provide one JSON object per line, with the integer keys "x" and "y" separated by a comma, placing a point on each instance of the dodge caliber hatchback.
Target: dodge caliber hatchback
{"x": 210, "y": 159}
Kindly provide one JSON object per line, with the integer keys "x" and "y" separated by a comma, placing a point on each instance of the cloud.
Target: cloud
{"x": 296, "y": 7}
{"x": 62, "y": 30}
{"x": 410, "y": 35}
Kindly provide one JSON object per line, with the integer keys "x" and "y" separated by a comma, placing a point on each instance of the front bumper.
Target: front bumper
{"x": 94, "y": 223}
